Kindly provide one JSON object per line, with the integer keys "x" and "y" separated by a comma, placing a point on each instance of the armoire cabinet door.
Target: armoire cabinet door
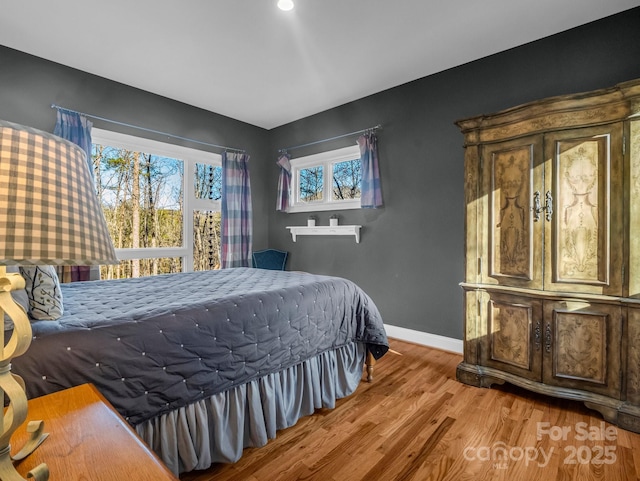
{"x": 511, "y": 253}
{"x": 513, "y": 340}
{"x": 581, "y": 347}
{"x": 583, "y": 236}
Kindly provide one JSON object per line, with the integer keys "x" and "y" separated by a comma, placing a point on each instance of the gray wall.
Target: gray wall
{"x": 410, "y": 259}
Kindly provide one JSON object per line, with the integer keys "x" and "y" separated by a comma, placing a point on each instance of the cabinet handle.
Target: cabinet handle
{"x": 548, "y": 205}
{"x": 547, "y": 338}
{"x": 537, "y": 335}
{"x": 537, "y": 208}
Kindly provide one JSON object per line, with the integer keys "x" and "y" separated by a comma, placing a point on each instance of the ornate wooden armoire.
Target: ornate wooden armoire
{"x": 552, "y": 272}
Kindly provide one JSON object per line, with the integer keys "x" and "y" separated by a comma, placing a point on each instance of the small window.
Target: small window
{"x": 326, "y": 181}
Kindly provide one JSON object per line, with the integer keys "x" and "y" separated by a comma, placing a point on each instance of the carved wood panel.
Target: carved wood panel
{"x": 511, "y": 193}
{"x": 583, "y": 239}
{"x": 580, "y": 348}
{"x": 581, "y": 170}
{"x": 510, "y": 172}
{"x": 513, "y": 335}
{"x": 510, "y": 334}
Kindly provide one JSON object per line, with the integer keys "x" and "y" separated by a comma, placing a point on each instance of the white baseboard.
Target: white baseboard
{"x": 425, "y": 339}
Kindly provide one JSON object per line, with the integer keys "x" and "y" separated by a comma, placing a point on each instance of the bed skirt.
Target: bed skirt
{"x": 219, "y": 428}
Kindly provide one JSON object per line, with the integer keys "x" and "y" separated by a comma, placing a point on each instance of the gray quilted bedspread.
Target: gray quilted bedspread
{"x": 154, "y": 344}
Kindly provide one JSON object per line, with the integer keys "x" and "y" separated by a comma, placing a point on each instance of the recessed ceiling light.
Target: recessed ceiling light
{"x": 285, "y": 5}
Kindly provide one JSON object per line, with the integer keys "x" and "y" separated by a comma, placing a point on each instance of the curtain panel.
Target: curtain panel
{"x": 237, "y": 227}
{"x": 284, "y": 183}
{"x": 371, "y": 196}
{"x": 76, "y": 128}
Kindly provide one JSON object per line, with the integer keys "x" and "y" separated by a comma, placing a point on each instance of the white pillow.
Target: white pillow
{"x": 43, "y": 292}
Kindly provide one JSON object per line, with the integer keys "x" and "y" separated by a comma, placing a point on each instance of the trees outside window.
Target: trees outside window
{"x": 347, "y": 179}
{"x": 158, "y": 199}
{"x": 311, "y": 184}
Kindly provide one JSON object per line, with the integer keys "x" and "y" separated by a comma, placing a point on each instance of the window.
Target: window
{"x": 326, "y": 181}
{"x": 161, "y": 203}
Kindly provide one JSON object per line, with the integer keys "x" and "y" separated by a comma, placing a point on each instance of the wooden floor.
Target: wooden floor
{"x": 416, "y": 422}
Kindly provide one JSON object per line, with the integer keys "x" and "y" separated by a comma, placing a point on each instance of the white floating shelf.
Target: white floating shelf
{"x": 353, "y": 230}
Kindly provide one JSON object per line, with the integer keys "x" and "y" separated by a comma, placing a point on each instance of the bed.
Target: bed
{"x": 206, "y": 364}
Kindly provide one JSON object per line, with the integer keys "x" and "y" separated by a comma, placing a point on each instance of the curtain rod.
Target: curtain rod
{"x": 379, "y": 126}
{"x": 58, "y": 107}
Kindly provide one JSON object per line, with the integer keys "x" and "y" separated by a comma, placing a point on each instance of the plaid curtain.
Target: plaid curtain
{"x": 76, "y": 128}
{"x": 284, "y": 183}
{"x": 237, "y": 229}
{"x": 371, "y": 196}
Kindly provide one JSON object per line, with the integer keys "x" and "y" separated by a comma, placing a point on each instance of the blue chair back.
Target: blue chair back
{"x": 269, "y": 259}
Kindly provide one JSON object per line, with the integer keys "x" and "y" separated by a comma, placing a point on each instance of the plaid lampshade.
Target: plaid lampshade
{"x": 49, "y": 211}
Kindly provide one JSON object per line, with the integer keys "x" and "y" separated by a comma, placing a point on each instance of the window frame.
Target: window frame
{"x": 190, "y": 157}
{"x": 325, "y": 159}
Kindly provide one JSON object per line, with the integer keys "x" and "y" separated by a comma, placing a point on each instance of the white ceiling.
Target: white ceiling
{"x": 248, "y": 60}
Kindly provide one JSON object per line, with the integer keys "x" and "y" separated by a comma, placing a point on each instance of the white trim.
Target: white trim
{"x": 149, "y": 146}
{"x": 325, "y": 206}
{"x": 424, "y": 338}
{"x": 151, "y": 252}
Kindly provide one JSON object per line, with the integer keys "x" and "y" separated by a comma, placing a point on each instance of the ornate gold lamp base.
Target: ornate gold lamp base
{"x": 12, "y": 386}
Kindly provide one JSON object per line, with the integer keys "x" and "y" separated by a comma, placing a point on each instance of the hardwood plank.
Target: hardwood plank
{"x": 416, "y": 422}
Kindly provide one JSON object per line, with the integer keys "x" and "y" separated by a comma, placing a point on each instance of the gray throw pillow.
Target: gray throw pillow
{"x": 43, "y": 292}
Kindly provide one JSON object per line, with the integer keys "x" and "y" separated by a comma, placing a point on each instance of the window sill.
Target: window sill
{"x": 353, "y": 230}
{"x": 318, "y": 207}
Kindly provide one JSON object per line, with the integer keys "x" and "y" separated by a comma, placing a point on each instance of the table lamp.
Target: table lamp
{"x": 49, "y": 215}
